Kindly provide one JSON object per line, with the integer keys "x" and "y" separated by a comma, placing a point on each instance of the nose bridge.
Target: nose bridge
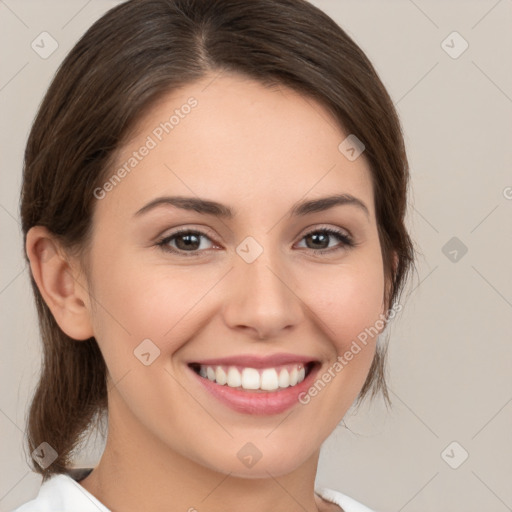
{"x": 262, "y": 297}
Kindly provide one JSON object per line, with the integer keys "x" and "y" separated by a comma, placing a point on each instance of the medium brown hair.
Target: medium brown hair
{"x": 129, "y": 59}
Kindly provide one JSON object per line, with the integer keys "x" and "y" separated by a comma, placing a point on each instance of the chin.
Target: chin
{"x": 259, "y": 459}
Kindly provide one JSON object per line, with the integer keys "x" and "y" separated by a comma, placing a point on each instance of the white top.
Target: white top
{"x": 63, "y": 493}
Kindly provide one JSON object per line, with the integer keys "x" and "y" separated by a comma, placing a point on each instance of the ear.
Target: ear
{"x": 58, "y": 281}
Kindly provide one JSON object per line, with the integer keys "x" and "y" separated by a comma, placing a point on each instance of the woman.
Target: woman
{"x": 213, "y": 206}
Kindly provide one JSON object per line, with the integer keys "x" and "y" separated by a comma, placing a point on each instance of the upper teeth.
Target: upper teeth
{"x": 267, "y": 379}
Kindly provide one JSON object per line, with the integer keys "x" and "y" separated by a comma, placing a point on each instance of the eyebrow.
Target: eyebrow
{"x": 208, "y": 207}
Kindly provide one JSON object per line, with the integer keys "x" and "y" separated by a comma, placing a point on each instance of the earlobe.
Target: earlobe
{"x": 396, "y": 259}
{"x": 58, "y": 283}
{"x": 394, "y": 262}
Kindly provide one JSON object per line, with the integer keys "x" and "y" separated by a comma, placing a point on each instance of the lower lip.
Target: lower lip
{"x": 261, "y": 402}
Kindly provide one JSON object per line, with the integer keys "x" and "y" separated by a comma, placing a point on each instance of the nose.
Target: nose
{"x": 261, "y": 301}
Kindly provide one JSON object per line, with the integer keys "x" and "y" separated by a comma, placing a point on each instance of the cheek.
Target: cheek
{"x": 138, "y": 303}
{"x": 348, "y": 301}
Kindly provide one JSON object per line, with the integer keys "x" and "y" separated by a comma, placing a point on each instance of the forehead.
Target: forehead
{"x": 232, "y": 139}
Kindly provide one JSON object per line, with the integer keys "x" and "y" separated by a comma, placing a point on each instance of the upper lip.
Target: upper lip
{"x": 256, "y": 361}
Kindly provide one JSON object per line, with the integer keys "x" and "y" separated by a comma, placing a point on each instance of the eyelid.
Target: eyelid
{"x": 345, "y": 240}
{"x": 163, "y": 242}
{"x": 203, "y": 231}
{"x": 320, "y": 227}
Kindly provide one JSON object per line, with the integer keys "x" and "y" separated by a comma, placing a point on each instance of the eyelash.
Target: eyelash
{"x": 346, "y": 241}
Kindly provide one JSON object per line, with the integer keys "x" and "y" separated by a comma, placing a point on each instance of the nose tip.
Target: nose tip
{"x": 262, "y": 299}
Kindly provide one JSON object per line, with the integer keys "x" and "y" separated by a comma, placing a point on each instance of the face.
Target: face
{"x": 229, "y": 321}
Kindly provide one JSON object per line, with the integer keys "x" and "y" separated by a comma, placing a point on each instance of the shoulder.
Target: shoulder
{"x": 347, "y": 503}
{"x": 64, "y": 494}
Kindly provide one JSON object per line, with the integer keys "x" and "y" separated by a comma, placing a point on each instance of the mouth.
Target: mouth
{"x": 254, "y": 385}
{"x": 271, "y": 379}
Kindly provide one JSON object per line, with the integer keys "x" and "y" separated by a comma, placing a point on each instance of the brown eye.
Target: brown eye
{"x": 320, "y": 240}
{"x": 191, "y": 241}
{"x": 185, "y": 241}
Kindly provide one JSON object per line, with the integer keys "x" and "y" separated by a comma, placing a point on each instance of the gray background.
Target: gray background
{"x": 450, "y": 353}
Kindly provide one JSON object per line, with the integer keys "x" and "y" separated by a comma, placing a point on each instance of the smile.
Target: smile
{"x": 263, "y": 379}
{"x": 255, "y": 385}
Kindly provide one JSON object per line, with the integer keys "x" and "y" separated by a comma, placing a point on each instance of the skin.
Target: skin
{"x": 259, "y": 150}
